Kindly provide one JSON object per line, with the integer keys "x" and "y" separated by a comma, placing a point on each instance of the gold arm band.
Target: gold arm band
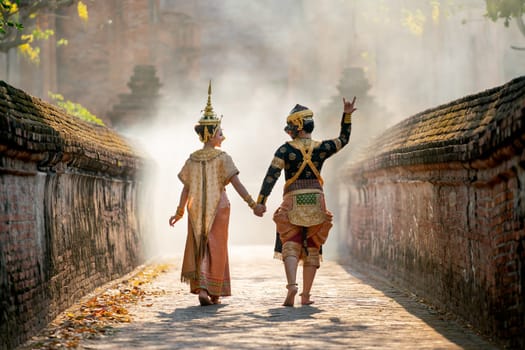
{"x": 347, "y": 118}
{"x": 278, "y": 163}
{"x": 261, "y": 199}
{"x": 248, "y": 199}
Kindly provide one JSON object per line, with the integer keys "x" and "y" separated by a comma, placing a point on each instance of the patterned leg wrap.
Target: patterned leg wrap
{"x": 291, "y": 249}
{"x": 312, "y": 259}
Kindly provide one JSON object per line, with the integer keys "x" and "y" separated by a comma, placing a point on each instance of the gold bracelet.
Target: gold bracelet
{"x": 262, "y": 199}
{"x": 347, "y": 118}
{"x": 248, "y": 199}
{"x": 180, "y": 212}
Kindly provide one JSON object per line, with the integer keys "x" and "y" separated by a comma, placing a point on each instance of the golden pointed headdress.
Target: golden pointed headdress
{"x": 209, "y": 118}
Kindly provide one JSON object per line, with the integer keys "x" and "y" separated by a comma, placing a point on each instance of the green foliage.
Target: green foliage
{"x": 505, "y": 9}
{"x": 19, "y": 25}
{"x": 7, "y": 8}
{"x": 75, "y": 109}
{"x": 42, "y": 35}
{"x": 62, "y": 41}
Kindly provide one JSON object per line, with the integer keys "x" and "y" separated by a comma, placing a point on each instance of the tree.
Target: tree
{"x": 18, "y": 19}
{"x": 18, "y": 28}
{"x": 507, "y": 10}
{"x": 6, "y": 8}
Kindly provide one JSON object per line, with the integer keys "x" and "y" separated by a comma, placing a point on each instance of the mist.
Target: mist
{"x": 263, "y": 57}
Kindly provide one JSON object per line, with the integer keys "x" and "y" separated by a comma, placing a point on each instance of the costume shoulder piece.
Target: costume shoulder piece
{"x": 205, "y": 154}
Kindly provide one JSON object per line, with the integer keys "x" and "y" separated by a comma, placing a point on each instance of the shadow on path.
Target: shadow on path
{"x": 352, "y": 310}
{"x": 448, "y": 325}
{"x": 226, "y": 326}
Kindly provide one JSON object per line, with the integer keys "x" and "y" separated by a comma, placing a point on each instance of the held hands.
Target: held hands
{"x": 348, "y": 107}
{"x": 259, "y": 209}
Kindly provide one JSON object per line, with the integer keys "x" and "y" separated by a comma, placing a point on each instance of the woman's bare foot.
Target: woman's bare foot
{"x": 290, "y": 297}
{"x": 305, "y": 299}
{"x": 204, "y": 299}
{"x": 215, "y": 299}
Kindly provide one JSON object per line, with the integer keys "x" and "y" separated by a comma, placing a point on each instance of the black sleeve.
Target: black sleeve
{"x": 346, "y": 129}
{"x": 271, "y": 177}
{"x": 330, "y": 147}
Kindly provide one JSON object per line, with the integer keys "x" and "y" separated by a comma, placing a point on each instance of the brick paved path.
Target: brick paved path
{"x": 351, "y": 311}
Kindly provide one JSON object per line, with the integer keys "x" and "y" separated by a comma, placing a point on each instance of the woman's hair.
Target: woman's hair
{"x": 308, "y": 126}
{"x": 205, "y": 132}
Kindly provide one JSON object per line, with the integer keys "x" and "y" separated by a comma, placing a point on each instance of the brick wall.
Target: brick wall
{"x": 68, "y": 211}
{"x": 103, "y": 52}
{"x": 119, "y": 35}
{"x": 438, "y": 203}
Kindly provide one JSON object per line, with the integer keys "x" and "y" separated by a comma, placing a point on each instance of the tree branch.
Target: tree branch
{"x": 6, "y": 45}
{"x": 35, "y": 7}
{"x": 12, "y": 36}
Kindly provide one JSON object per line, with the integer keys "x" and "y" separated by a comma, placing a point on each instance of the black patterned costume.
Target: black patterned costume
{"x": 303, "y": 200}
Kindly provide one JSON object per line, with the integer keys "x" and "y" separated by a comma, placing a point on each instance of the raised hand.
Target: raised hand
{"x": 348, "y": 107}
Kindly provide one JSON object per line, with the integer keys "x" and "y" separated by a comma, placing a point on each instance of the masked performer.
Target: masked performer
{"x": 205, "y": 175}
{"x": 302, "y": 219}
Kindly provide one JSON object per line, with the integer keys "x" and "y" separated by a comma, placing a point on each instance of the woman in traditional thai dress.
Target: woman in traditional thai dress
{"x": 204, "y": 175}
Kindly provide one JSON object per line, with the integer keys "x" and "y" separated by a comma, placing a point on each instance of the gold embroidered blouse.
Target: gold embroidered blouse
{"x": 205, "y": 173}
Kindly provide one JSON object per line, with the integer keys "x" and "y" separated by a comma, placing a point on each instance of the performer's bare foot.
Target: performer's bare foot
{"x": 290, "y": 297}
{"x": 305, "y": 299}
{"x": 204, "y": 300}
{"x": 215, "y": 299}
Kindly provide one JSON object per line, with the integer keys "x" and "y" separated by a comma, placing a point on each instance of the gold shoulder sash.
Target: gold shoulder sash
{"x": 307, "y": 160}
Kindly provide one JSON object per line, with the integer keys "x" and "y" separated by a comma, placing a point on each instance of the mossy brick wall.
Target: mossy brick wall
{"x": 68, "y": 211}
{"x": 438, "y": 203}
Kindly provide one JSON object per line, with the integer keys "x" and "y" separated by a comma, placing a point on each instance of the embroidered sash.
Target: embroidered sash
{"x": 307, "y": 209}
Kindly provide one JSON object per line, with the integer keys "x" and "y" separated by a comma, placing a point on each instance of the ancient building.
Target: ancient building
{"x": 102, "y": 53}
{"x": 139, "y": 106}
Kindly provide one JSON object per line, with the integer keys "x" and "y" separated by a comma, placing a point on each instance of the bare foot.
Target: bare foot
{"x": 305, "y": 299}
{"x": 204, "y": 300}
{"x": 290, "y": 297}
{"x": 215, "y": 299}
